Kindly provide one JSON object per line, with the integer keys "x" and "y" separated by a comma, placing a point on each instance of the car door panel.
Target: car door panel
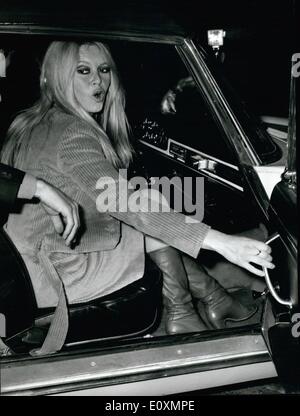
{"x": 199, "y": 162}
{"x": 281, "y": 331}
{"x": 283, "y": 214}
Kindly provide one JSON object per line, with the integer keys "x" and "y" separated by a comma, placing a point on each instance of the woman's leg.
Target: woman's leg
{"x": 181, "y": 315}
{"x": 153, "y": 244}
{"x": 183, "y": 277}
{"x": 219, "y": 305}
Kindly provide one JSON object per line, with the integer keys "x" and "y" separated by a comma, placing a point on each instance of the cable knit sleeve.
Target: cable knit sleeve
{"x": 80, "y": 156}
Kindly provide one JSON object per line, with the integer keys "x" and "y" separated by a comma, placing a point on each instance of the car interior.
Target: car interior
{"x": 166, "y": 145}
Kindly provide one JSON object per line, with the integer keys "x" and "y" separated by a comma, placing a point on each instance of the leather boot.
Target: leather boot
{"x": 181, "y": 315}
{"x": 219, "y": 305}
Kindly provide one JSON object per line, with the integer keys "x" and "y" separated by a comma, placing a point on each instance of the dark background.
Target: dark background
{"x": 260, "y": 39}
{"x": 260, "y": 36}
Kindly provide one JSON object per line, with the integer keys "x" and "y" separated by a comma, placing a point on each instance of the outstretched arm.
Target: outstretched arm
{"x": 240, "y": 250}
{"x": 79, "y": 144}
{"x": 62, "y": 210}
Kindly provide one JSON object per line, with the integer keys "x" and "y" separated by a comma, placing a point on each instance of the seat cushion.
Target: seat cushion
{"x": 131, "y": 311}
{"x": 17, "y": 299}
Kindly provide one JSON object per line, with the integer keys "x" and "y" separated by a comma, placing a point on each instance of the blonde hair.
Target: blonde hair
{"x": 56, "y": 85}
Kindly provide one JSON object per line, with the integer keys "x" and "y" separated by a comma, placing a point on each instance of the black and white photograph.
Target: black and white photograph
{"x": 148, "y": 201}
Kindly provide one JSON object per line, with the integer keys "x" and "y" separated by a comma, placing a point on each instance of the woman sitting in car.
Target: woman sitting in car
{"x": 76, "y": 134}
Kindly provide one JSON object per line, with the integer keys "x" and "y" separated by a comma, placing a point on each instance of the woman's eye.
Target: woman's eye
{"x": 105, "y": 69}
{"x": 83, "y": 70}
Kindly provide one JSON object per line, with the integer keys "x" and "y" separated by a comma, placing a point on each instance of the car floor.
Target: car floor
{"x": 245, "y": 296}
{"x": 243, "y": 285}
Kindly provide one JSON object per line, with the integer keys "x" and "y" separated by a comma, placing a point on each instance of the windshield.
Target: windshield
{"x": 249, "y": 119}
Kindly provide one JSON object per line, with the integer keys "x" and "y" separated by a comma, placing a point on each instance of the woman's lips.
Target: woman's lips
{"x": 98, "y": 96}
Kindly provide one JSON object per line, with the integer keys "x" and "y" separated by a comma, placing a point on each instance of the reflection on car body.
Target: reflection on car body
{"x": 211, "y": 136}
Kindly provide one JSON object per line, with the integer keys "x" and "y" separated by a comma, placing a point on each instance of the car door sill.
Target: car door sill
{"x": 58, "y": 374}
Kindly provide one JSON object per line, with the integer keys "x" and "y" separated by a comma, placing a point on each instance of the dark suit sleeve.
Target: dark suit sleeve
{"x": 10, "y": 181}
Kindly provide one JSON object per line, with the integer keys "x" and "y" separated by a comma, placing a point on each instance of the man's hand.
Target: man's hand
{"x": 62, "y": 210}
{"x": 167, "y": 105}
{"x": 168, "y": 102}
{"x": 241, "y": 251}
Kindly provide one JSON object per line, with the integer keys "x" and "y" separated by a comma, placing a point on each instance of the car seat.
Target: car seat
{"x": 131, "y": 311}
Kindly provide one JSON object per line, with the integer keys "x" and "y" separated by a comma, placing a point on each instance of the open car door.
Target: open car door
{"x": 284, "y": 334}
{"x": 282, "y": 318}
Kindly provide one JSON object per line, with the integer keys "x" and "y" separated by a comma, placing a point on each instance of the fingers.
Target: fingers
{"x": 265, "y": 255}
{"x": 168, "y": 103}
{"x": 76, "y": 225}
{"x": 168, "y": 106}
{"x": 254, "y": 270}
{"x": 59, "y": 207}
{"x": 69, "y": 222}
{"x": 261, "y": 254}
{"x": 71, "y": 219}
{"x": 165, "y": 106}
{"x": 171, "y": 103}
{"x": 261, "y": 246}
{"x": 58, "y": 224}
{"x": 261, "y": 262}
{"x": 255, "y": 252}
{"x": 190, "y": 82}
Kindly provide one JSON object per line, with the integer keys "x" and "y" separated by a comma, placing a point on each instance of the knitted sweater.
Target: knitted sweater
{"x": 67, "y": 153}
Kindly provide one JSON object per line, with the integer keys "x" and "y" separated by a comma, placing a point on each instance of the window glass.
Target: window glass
{"x": 149, "y": 72}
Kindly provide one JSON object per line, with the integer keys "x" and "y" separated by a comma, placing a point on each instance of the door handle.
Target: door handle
{"x": 269, "y": 283}
{"x": 206, "y": 164}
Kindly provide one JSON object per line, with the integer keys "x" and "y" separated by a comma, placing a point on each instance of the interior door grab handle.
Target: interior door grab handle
{"x": 206, "y": 164}
{"x": 269, "y": 283}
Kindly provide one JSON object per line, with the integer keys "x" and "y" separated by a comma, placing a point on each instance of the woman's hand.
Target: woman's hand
{"x": 241, "y": 251}
{"x": 61, "y": 209}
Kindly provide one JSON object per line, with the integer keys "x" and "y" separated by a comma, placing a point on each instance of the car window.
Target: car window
{"x": 20, "y": 88}
{"x": 261, "y": 141}
{"x": 148, "y": 72}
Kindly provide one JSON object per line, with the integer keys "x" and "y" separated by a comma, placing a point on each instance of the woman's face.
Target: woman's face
{"x": 92, "y": 78}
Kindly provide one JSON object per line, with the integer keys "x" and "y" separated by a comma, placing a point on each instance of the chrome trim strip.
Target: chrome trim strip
{"x": 165, "y": 152}
{"x": 204, "y": 154}
{"x": 192, "y": 51}
{"x": 107, "y": 368}
{"x": 223, "y": 180}
{"x": 290, "y": 174}
{"x": 182, "y": 383}
{"x": 30, "y": 29}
